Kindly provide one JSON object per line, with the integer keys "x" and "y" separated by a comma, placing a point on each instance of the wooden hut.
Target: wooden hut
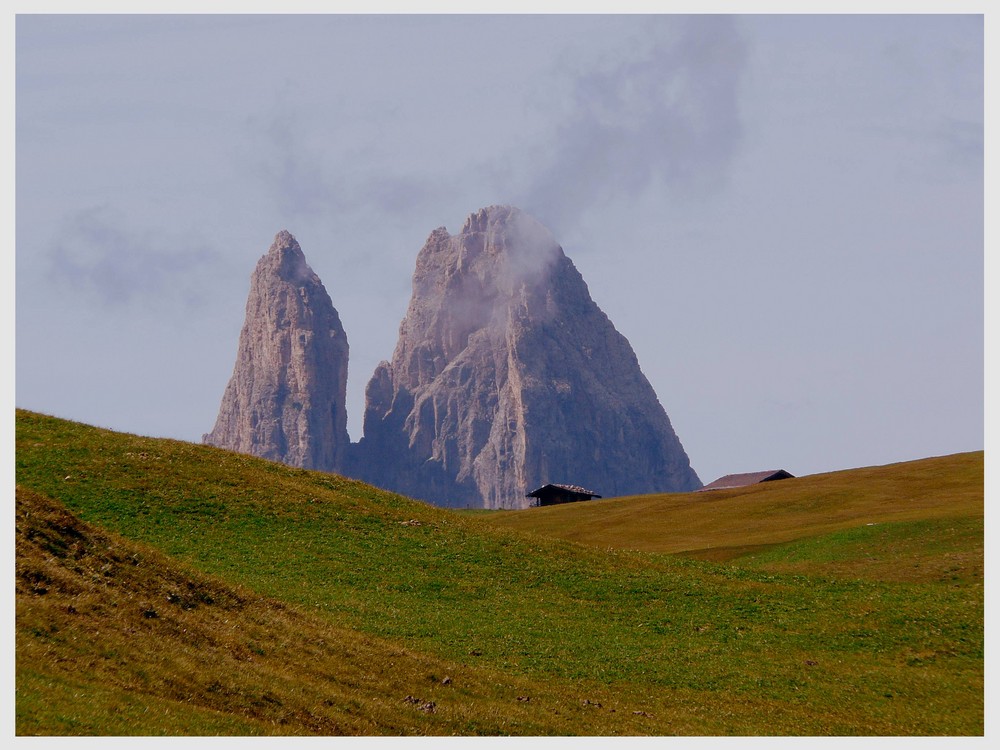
{"x": 556, "y": 494}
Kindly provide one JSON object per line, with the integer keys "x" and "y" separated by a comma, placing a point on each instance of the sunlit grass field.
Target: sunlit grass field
{"x": 295, "y": 602}
{"x": 727, "y": 524}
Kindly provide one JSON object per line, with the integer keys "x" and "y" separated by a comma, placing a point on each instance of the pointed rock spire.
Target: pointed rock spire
{"x": 286, "y": 398}
{"x": 507, "y": 376}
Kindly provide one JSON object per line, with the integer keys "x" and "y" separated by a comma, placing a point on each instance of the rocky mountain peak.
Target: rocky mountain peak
{"x": 286, "y": 261}
{"x": 286, "y": 398}
{"x": 507, "y": 376}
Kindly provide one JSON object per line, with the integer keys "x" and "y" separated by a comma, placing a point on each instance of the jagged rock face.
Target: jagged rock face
{"x": 286, "y": 398}
{"x": 508, "y": 376}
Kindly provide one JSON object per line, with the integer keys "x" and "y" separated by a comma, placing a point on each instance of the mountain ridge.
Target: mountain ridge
{"x": 506, "y": 375}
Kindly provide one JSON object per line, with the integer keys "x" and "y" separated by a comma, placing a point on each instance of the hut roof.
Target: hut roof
{"x": 745, "y": 480}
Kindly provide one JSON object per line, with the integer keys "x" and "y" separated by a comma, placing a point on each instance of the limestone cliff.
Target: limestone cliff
{"x": 286, "y": 398}
{"x": 507, "y": 376}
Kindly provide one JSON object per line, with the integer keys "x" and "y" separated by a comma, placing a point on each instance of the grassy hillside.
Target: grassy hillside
{"x": 727, "y": 524}
{"x": 598, "y": 641}
{"x": 116, "y": 638}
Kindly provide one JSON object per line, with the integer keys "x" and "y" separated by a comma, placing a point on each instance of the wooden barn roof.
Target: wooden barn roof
{"x": 745, "y": 480}
{"x": 566, "y": 487}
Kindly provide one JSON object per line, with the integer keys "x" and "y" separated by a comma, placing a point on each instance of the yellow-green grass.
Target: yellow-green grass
{"x": 115, "y": 638}
{"x": 943, "y": 550}
{"x": 673, "y": 646}
{"x": 727, "y": 524}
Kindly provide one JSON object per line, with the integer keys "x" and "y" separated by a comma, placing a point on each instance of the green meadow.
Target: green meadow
{"x": 167, "y": 588}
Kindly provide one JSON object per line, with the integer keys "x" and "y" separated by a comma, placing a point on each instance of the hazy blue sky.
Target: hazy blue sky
{"x": 784, "y": 215}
